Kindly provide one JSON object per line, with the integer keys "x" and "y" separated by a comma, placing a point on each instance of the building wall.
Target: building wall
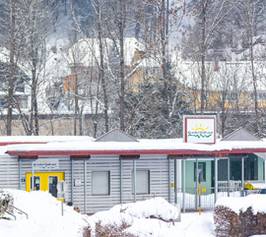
{"x": 81, "y": 184}
{"x": 56, "y": 126}
{"x": 9, "y": 172}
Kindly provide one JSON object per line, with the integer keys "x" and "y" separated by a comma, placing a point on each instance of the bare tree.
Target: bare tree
{"x": 251, "y": 11}
{"x": 35, "y": 15}
{"x": 98, "y": 6}
{"x": 12, "y": 58}
{"x": 209, "y": 17}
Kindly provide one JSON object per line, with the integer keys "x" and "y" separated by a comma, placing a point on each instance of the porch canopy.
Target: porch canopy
{"x": 169, "y": 147}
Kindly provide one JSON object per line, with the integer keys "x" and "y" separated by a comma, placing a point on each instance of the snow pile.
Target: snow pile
{"x": 44, "y": 217}
{"x": 192, "y": 224}
{"x": 237, "y": 204}
{"x": 154, "y": 217}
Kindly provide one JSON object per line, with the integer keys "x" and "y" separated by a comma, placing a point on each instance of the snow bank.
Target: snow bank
{"x": 156, "y": 208}
{"x": 237, "y": 204}
{"x": 136, "y": 218}
{"x": 45, "y": 219}
{"x": 149, "y": 216}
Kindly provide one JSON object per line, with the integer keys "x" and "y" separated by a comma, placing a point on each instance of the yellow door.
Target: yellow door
{"x": 44, "y": 181}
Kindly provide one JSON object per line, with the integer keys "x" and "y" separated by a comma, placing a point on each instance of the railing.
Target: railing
{"x": 14, "y": 210}
{"x": 234, "y": 185}
{"x": 190, "y": 201}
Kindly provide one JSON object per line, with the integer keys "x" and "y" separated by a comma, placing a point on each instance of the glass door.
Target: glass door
{"x": 53, "y": 181}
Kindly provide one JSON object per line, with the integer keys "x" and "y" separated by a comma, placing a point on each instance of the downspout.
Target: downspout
{"x": 228, "y": 177}
{"x": 215, "y": 178}
{"x": 120, "y": 187}
{"x": 85, "y": 193}
{"x": 71, "y": 180}
{"x": 19, "y": 174}
{"x": 169, "y": 180}
{"x": 175, "y": 173}
{"x": 134, "y": 179}
{"x": 184, "y": 184}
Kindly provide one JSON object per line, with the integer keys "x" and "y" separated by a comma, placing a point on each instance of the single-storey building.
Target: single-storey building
{"x": 95, "y": 174}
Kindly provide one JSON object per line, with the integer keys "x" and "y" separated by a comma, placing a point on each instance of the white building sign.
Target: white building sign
{"x": 45, "y": 164}
{"x": 199, "y": 129}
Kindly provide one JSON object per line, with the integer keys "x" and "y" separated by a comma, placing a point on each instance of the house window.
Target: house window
{"x": 101, "y": 183}
{"x": 201, "y": 171}
{"x": 142, "y": 181}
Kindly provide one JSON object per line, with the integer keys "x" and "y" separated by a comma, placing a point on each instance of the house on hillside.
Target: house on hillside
{"x": 84, "y": 58}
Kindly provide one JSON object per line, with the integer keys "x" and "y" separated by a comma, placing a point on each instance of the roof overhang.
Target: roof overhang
{"x": 132, "y": 152}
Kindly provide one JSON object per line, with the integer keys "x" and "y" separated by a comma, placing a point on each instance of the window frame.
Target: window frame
{"x": 204, "y": 171}
{"x": 109, "y": 182}
{"x": 149, "y": 182}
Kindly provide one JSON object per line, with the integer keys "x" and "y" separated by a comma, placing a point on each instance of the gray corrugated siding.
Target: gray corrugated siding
{"x": 157, "y": 165}
{"x": 103, "y": 163}
{"x": 9, "y": 172}
{"x": 82, "y": 194}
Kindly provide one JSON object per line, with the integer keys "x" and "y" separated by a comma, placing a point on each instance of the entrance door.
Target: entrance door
{"x": 44, "y": 181}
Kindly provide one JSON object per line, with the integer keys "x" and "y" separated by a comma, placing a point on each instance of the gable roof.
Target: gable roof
{"x": 116, "y": 135}
{"x": 241, "y": 134}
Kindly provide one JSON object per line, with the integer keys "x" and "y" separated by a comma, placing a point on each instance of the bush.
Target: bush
{"x": 112, "y": 230}
{"x": 244, "y": 224}
{"x": 6, "y": 203}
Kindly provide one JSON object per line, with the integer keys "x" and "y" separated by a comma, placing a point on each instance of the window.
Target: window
{"x": 101, "y": 183}
{"x": 142, "y": 181}
{"x": 250, "y": 167}
{"x": 201, "y": 171}
{"x": 36, "y": 186}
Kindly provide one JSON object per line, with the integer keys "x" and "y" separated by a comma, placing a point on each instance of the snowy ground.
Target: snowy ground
{"x": 45, "y": 219}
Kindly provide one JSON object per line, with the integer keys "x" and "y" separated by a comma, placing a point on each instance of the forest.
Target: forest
{"x": 85, "y": 67}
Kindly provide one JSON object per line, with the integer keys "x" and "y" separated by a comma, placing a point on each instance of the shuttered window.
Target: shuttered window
{"x": 101, "y": 183}
{"x": 142, "y": 181}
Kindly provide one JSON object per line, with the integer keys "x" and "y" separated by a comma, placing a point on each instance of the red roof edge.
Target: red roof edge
{"x": 78, "y": 153}
{"x": 18, "y": 143}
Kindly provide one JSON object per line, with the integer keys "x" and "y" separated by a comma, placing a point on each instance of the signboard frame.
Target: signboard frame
{"x": 211, "y": 118}
{"x": 44, "y": 164}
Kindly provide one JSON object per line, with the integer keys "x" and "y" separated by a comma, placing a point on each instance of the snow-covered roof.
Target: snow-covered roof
{"x": 7, "y": 140}
{"x": 86, "y": 52}
{"x": 234, "y": 72}
{"x": 154, "y": 146}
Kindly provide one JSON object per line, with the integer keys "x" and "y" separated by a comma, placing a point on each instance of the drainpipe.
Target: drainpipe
{"x": 175, "y": 173}
{"x": 197, "y": 182}
{"x": 72, "y": 180}
{"x": 184, "y": 184}
{"x": 215, "y": 178}
{"x": 169, "y": 180}
{"x": 228, "y": 177}
{"x": 134, "y": 179}
{"x": 265, "y": 171}
{"x": 120, "y": 171}
{"x": 19, "y": 174}
{"x": 242, "y": 175}
{"x": 85, "y": 193}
